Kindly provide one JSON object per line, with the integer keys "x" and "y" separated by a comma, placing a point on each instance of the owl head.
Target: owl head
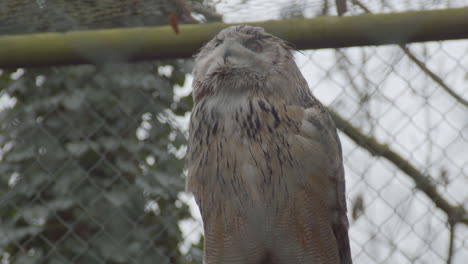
{"x": 242, "y": 47}
{"x": 244, "y": 60}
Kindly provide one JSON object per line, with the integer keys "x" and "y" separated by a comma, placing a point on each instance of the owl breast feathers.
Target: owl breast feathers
{"x": 264, "y": 160}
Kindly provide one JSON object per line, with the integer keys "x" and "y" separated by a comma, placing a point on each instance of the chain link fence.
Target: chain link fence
{"x": 91, "y": 157}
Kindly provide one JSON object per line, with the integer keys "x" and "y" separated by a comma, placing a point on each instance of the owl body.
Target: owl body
{"x": 264, "y": 160}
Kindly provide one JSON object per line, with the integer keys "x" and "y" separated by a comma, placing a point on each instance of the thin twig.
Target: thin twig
{"x": 433, "y": 76}
{"x": 362, "y": 6}
{"x": 452, "y": 238}
{"x": 421, "y": 65}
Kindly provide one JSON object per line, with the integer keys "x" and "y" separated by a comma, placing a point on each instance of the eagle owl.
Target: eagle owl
{"x": 264, "y": 160}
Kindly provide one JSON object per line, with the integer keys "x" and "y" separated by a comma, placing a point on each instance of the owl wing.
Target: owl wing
{"x": 319, "y": 131}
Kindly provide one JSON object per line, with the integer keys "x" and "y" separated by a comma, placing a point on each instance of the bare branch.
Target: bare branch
{"x": 421, "y": 65}
{"x": 450, "y": 249}
{"x": 455, "y": 214}
{"x": 433, "y": 76}
{"x": 341, "y": 7}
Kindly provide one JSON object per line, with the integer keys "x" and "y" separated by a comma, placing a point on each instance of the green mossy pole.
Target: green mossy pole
{"x": 151, "y": 43}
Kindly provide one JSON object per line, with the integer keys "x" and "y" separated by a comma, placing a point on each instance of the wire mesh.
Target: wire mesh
{"x": 91, "y": 157}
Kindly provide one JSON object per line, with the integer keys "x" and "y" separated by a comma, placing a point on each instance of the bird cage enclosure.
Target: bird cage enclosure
{"x": 92, "y": 154}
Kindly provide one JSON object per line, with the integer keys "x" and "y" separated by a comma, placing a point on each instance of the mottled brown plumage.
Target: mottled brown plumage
{"x": 264, "y": 160}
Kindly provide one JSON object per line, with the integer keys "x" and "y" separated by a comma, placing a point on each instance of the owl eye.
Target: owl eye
{"x": 253, "y": 45}
{"x": 219, "y": 42}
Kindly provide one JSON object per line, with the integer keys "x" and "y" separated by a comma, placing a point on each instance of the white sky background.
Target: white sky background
{"x": 409, "y": 112}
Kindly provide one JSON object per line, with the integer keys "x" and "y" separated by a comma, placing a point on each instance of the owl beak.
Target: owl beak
{"x": 227, "y": 54}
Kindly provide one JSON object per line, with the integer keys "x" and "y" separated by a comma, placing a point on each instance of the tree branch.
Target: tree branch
{"x": 455, "y": 214}
{"x": 421, "y": 65}
{"x": 151, "y": 43}
{"x": 433, "y": 76}
{"x": 451, "y": 241}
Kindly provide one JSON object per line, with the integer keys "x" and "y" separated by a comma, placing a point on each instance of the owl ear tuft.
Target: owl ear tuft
{"x": 286, "y": 44}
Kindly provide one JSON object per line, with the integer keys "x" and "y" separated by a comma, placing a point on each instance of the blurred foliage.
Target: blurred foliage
{"x": 90, "y": 164}
{"x": 87, "y": 175}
